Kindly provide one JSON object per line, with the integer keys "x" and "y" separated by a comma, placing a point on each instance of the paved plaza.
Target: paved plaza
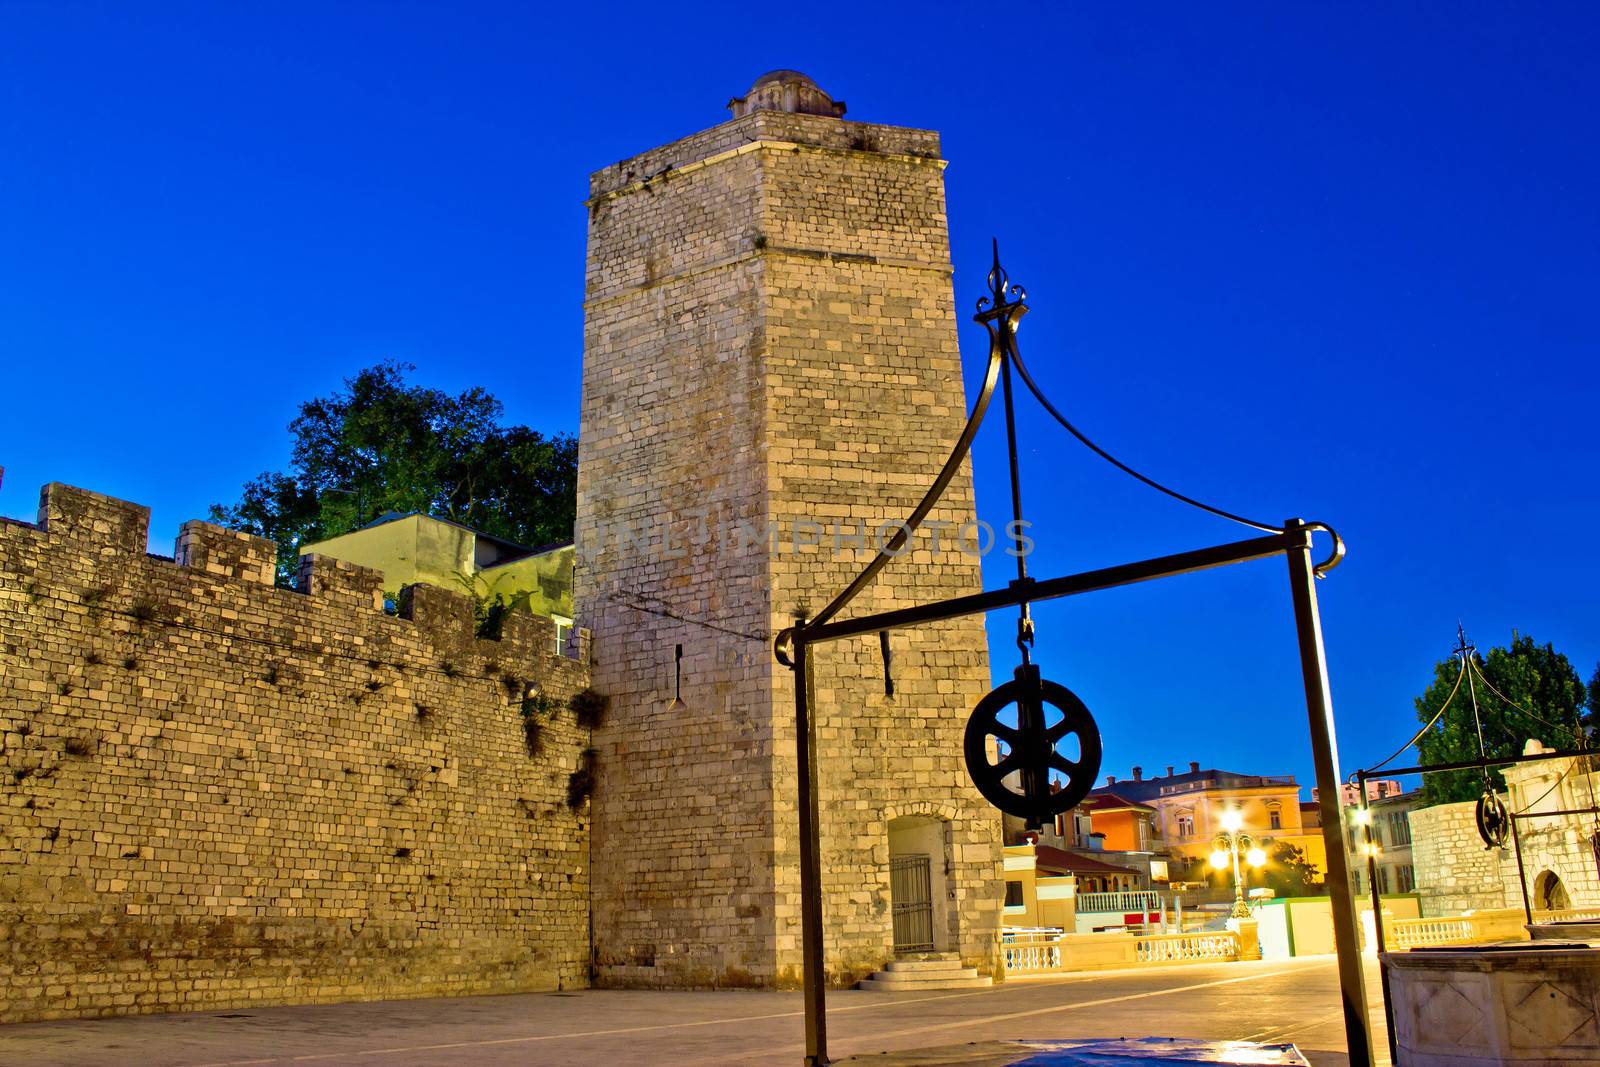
{"x": 1290, "y": 1001}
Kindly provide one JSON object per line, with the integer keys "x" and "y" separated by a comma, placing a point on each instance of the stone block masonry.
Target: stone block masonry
{"x": 217, "y": 793}
{"x": 770, "y": 339}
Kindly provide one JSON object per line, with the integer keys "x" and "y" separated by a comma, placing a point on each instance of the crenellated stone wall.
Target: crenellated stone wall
{"x": 215, "y": 792}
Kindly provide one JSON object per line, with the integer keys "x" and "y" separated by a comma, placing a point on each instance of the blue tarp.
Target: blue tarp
{"x": 1150, "y": 1050}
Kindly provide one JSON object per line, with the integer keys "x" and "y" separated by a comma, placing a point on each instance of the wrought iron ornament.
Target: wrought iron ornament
{"x": 1494, "y": 822}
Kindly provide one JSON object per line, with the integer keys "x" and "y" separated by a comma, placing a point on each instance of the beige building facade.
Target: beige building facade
{"x": 1190, "y": 807}
{"x": 771, "y": 376}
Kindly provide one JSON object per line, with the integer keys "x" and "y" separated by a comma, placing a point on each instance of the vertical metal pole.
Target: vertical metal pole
{"x": 1522, "y": 873}
{"x": 1377, "y": 916}
{"x": 1325, "y": 756}
{"x": 805, "y": 745}
{"x": 1372, "y": 868}
{"x": 1240, "y": 909}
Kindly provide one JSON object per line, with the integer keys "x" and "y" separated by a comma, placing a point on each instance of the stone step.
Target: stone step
{"x": 953, "y": 971}
{"x": 917, "y": 966}
{"x": 882, "y": 983}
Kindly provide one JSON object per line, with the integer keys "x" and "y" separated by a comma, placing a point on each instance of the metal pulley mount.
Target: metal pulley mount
{"x": 1494, "y": 822}
{"x": 1016, "y": 766}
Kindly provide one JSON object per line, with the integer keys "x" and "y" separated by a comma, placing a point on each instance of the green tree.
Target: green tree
{"x": 1591, "y": 718}
{"x": 1523, "y": 676}
{"x": 382, "y": 444}
{"x": 1288, "y": 873}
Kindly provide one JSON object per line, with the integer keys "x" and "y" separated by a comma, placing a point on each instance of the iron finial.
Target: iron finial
{"x": 997, "y": 276}
{"x": 1000, "y": 287}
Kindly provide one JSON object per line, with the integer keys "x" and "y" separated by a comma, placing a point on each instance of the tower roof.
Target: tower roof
{"x": 786, "y": 90}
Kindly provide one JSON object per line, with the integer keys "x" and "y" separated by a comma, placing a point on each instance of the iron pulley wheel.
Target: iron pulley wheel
{"x": 1032, "y": 778}
{"x": 1494, "y": 822}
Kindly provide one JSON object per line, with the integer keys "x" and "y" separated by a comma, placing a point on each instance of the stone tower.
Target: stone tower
{"x": 770, "y": 376}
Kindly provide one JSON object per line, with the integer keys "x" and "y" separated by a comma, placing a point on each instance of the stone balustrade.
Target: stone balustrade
{"x": 1035, "y": 953}
{"x": 1473, "y": 927}
{"x": 1186, "y": 948}
{"x": 1125, "y": 903}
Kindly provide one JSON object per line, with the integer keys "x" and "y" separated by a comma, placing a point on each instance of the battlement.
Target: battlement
{"x": 79, "y": 526}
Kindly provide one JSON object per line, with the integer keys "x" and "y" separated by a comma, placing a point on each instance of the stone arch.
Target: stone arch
{"x": 947, "y": 812}
{"x": 1549, "y": 893}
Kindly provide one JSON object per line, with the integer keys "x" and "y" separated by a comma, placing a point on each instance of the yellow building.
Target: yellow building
{"x": 1037, "y": 896}
{"x": 1189, "y": 809}
{"x": 410, "y": 548}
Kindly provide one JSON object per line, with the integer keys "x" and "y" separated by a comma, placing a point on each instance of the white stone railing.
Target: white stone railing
{"x": 1180, "y": 948}
{"x": 1030, "y": 952}
{"x": 1042, "y": 952}
{"x": 1568, "y": 915}
{"x": 1473, "y": 928}
{"x": 1119, "y": 903}
{"x": 1448, "y": 930}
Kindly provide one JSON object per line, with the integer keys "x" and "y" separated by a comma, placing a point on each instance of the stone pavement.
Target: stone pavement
{"x": 1292, "y": 1001}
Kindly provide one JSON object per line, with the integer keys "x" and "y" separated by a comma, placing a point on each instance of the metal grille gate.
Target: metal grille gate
{"x": 911, "y": 896}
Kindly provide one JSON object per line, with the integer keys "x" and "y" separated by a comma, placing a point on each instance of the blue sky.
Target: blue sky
{"x": 1336, "y": 261}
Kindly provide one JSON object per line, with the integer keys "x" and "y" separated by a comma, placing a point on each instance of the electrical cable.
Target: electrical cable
{"x": 1419, "y": 734}
{"x": 1531, "y": 714}
{"x": 668, "y": 613}
{"x": 1115, "y": 462}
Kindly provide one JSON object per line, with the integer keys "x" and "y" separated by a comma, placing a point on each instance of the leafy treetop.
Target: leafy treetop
{"x": 1523, "y": 676}
{"x": 382, "y": 444}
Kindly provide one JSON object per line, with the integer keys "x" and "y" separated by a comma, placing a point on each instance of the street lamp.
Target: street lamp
{"x": 1227, "y": 847}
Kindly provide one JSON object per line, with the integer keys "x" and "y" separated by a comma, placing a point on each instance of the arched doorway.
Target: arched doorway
{"x": 919, "y": 895}
{"x": 1549, "y": 893}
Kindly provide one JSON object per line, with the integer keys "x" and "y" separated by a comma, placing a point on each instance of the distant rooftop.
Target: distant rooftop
{"x": 1050, "y": 858}
{"x": 506, "y": 550}
{"x": 1106, "y": 800}
{"x": 1140, "y": 788}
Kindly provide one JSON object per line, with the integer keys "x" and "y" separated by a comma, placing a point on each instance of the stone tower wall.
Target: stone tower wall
{"x": 770, "y": 342}
{"x": 671, "y": 431}
{"x": 215, "y": 792}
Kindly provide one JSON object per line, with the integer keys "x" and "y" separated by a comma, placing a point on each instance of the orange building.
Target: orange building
{"x": 1123, "y": 825}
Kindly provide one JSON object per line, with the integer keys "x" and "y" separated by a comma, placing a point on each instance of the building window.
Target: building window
{"x": 1407, "y": 879}
{"x": 1275, "y": 819}
{"x": 1186, "y": 826}
{"x": 1355, "y": 879}
{"x": 1383, "y": 879}
{"x": 563, "y": 633}
{"x": 1399, "y": 828}
{"x": 1014, "y": 895}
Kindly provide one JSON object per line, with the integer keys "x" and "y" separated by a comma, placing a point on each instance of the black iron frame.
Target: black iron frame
{"x": 795, "y": 648}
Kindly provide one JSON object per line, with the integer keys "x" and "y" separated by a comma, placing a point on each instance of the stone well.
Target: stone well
{"x": 1531, "y": 1004}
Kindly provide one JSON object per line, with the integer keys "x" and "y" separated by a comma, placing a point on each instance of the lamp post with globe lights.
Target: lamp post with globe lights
{"x": 1229, "y": 844}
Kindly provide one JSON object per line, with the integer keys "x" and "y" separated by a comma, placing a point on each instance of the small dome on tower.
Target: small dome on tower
{"x": 786, "y": 90}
